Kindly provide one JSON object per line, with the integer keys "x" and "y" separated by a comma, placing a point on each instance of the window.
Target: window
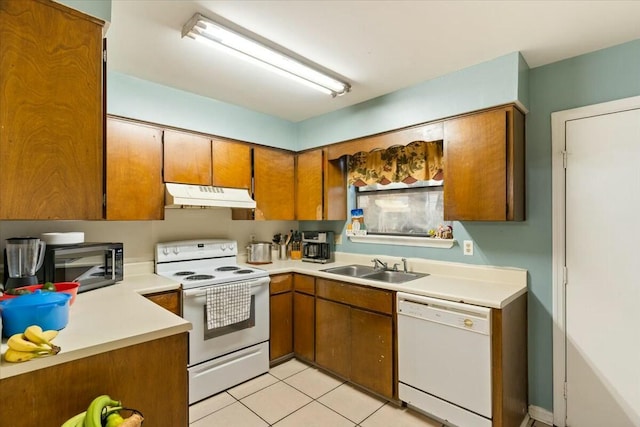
{"x": 400, "y": 209}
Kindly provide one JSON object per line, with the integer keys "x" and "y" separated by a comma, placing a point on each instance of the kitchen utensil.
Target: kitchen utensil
{"x": 49, "y": 310}
{"x": 24, "y": 256}
{"x": 259, "y": 253}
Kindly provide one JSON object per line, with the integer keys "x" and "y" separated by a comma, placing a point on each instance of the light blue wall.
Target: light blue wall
{"x": 143, "y": 100}
{"x": 484, "y": 85}
{"x": 101, "y": 9}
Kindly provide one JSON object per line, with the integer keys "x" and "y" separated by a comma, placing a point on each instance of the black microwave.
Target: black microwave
{"x": 93, "y": 265}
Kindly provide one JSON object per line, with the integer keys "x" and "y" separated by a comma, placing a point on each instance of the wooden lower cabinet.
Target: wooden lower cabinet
{"x": 170, "y": 300}
{"x": 372, "y": 351}
{"x": 304, "y": 314}
{"x": 353, "y": 340}
{"x": 281, "y": 317}
{"x": 333, "y": 332}
{"x": 150, "y": 377}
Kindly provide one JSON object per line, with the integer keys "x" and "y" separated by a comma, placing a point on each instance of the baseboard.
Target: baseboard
{"x": 541, "y": 414}
{"x": 527, "y": 421}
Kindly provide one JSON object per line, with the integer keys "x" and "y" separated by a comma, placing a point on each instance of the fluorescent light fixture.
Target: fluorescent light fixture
{"x": 204, "y": 29}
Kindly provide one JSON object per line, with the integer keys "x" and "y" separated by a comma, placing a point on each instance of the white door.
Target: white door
{"x": 602, "y": 295}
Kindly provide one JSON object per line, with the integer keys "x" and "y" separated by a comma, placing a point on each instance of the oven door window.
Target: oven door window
{"x": 87, "y": 267}
{"x": 229, "y": 329}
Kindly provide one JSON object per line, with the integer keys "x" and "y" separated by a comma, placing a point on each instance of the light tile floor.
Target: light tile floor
{"x": 294, "y": 394}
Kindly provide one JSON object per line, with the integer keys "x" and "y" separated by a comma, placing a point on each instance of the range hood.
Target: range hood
{"x": 185, "y": 195}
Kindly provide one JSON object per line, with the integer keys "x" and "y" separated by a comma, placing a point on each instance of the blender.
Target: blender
{"x": 23, "y": 257}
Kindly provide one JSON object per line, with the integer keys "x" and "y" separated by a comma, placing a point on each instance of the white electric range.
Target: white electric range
{"x": 225, "y": 356}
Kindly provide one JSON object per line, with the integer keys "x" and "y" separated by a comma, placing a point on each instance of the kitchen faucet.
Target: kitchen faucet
{"x": 404, "y": 266}
{"x": 376, "y": 262}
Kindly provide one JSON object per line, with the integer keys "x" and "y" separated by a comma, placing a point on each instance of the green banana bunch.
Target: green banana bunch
{"x": 94, "y": 412}
{"x": 104, "y": 411}
{"x": 75, "y": 421}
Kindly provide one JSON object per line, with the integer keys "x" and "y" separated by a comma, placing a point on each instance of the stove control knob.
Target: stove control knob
{"x": 223, "y": 246}
{"x": 165, "y": 251}
{"x": 231, "y": 246}
{"x": 176, "y": 250}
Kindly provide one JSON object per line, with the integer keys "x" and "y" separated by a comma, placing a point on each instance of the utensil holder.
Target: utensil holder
{"x": 282, "y": 255}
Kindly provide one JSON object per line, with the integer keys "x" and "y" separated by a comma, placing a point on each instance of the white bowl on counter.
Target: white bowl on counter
{"x": 68, "y": 238}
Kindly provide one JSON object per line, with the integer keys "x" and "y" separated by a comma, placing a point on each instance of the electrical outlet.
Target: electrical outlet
{"x": 252, "y": 238}
{"x": 467, "y": 247}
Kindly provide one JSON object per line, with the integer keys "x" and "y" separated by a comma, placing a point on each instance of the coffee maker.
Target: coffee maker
{"x": 318, "y": 246}
{"x": 23, "y": 256}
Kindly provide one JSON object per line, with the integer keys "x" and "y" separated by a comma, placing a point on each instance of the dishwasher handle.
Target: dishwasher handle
{"x": 458, "y": 315}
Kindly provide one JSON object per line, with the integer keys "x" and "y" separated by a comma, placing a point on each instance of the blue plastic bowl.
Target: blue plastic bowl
{"x": 49, "y": 310}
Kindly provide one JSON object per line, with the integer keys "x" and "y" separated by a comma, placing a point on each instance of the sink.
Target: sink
{"x": 392, "y": 276}
{"x": 369, "y": 273}
{"x": 351, "y": 270}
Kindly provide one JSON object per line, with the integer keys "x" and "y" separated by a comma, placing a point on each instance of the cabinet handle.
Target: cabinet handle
{"x": 468, "y": 323}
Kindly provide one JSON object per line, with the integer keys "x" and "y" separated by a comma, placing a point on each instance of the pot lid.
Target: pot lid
{"x": 36, "y": 298}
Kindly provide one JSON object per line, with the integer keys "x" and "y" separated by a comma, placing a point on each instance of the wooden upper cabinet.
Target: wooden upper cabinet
{"x": 273, "y": 172}
{"x": 51, "y": 116}
{"x": 187, "y": 158}
{"x": 321, "y": 186}
{"x": 231, "y": 164}
{"x": 134, "y": 171}
{"x": 484, "y": 166}
{"x": 309, "y": 185}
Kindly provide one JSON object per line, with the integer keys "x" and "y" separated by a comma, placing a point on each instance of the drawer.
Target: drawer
{"x": 304, "y": 284}
{"x": 355, "y": 295}
{"x": 280, "y": 283}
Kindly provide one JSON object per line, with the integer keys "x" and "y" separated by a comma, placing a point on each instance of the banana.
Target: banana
{"x": 35, "y": 334}
{"x": 94, "y": 412}
{"x": 76, "y": 420}
{"x": 17, "y": 342}
{"x": 50, "y": 334}
{"x": 14, "y": 356}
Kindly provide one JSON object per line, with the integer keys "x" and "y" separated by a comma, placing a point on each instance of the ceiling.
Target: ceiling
{"x": 378, "y": 46}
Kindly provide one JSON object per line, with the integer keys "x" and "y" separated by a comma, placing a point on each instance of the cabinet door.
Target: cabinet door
{"x": 187, "y": 158}
{"x": 281, "y": 336}
{"x": 335, "y": 189}
{"x": 309, "y": 186}
{"x": 169, "y": 300}
{"x": 483, "y": 166}
{"x": 372, "y": 351}
{"x": 134, "y": 171}
{"x": 333, "y": 332}
{"x": 304, "y": 325}
{"x": 51, "y": 117}
{"x": 231, "y": 164}
{"x": 273, "y": 180}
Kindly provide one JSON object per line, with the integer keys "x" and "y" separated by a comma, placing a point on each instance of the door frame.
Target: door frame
{"x": 558, "y": 144}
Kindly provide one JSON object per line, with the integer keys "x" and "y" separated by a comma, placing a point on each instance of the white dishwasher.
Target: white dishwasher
{"x": 444, "y": 359}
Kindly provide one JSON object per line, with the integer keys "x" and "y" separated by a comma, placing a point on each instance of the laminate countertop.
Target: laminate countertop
{"x": 106, "y": 319}
{"x": 487, "y": 286}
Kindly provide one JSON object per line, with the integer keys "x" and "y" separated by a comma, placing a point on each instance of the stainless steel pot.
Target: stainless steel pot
{"x": 259, "y": 253}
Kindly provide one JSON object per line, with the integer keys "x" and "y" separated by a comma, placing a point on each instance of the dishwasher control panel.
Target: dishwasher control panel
{"x": 463, "y": 316}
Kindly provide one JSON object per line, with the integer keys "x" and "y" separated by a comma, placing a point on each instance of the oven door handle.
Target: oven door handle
{"x": 200, "y": 292}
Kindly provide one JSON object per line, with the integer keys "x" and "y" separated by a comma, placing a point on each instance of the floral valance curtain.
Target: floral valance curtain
{"x": 417, "y": 161}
